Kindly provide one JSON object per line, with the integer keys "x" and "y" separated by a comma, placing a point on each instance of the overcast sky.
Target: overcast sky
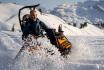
{"x": 49, "y": 4}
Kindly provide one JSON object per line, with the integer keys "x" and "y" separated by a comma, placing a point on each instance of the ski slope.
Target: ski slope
{"x": 87, "y": 51}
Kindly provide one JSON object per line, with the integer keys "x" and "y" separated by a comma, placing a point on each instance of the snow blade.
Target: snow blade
{"x": 19, "y": 53}
{"x": 28, "y": 44}
{"x": 59, "y": 40}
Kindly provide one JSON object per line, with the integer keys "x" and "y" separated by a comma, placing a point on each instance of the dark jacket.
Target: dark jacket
{"x": 33, "y": 27}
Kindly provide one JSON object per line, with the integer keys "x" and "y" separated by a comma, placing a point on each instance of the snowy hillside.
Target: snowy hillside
{"x": 88, "y": 11}
{"x": 8, "y": 19}
{"x": 8, "y": 16}
{"x": 85, "y": 53}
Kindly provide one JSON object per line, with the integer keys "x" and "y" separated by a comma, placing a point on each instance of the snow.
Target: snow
{"x": 88, "y": 31}
{"x": 101, "y": 7}
{"x": 85, "y": 54}
{"x": 88, "y": 11}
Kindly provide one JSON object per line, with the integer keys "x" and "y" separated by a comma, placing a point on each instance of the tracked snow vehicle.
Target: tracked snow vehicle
{"x": 56, "y": 38}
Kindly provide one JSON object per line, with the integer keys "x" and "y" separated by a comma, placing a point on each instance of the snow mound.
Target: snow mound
{"x": 45, "y": 57}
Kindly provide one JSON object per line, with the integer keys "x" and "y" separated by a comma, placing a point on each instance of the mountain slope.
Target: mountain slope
{"x": 88, "y": 11}
{"x": 9, "y": 18}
